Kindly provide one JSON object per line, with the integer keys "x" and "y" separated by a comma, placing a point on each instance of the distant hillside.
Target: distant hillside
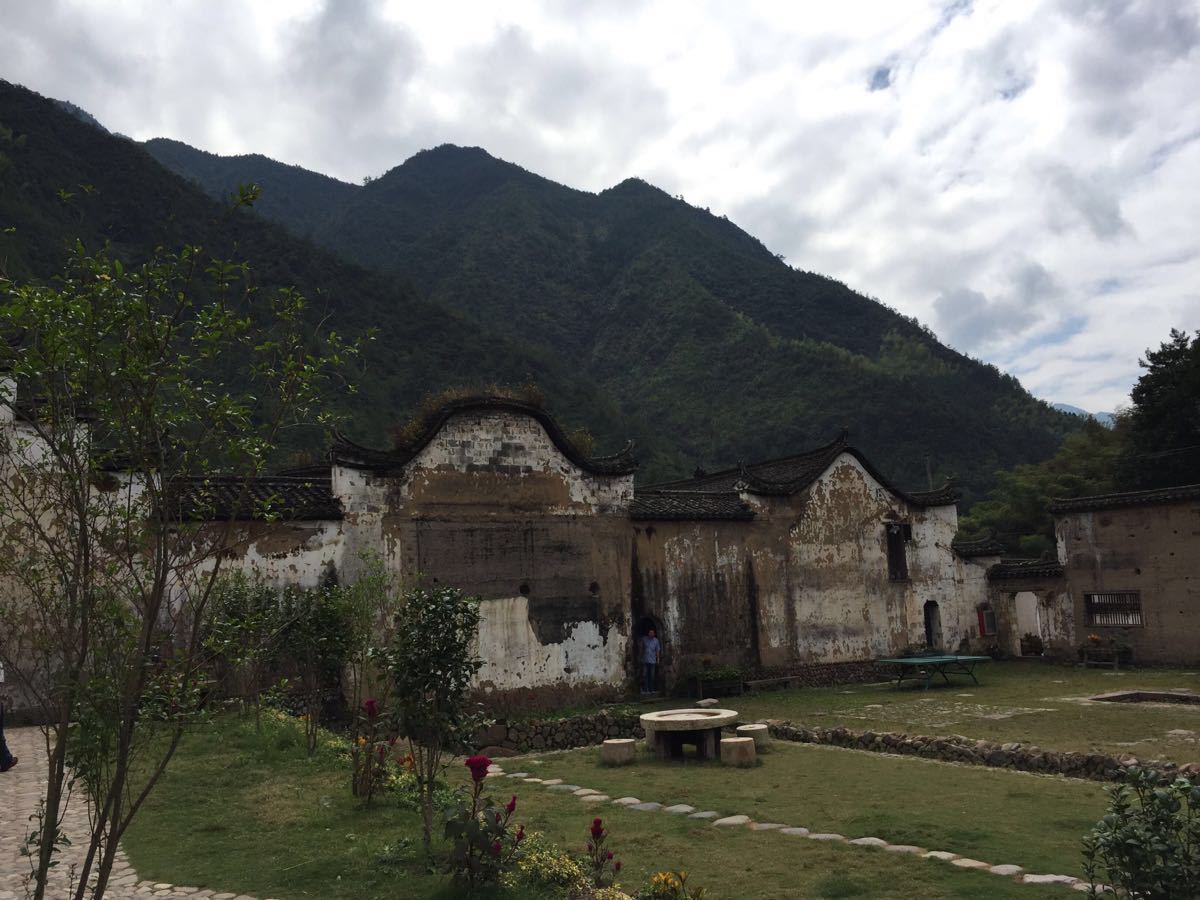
{"x": 711, "y": 347}
{"x": 62, "y": 179}
{"x": 1107, "y": 419}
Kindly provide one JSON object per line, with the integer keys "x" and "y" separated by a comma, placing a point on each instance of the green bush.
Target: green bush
{"x": 1148, "y": 844}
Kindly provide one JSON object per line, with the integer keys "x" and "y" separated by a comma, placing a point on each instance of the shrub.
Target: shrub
{"x": 672, "y": 886}
{"x": 1148, "y": 844}
{"x": 544, "y": 870}
{"x": 370, "y": 753}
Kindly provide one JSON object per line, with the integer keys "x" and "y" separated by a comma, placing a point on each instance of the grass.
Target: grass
{"x": 248, "y": 813}
{"x": 1029, "y": 702}
{"x": 990, "y": 814}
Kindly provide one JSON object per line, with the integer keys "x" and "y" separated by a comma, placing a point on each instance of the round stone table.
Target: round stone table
{"x": 670, "y": 729}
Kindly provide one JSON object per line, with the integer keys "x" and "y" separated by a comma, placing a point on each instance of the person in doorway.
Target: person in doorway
{"x": 7, "y": 760}
{"x": 651, "y": 650}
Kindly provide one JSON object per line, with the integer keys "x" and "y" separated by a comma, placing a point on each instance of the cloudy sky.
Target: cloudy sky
{"x": 1023, "y": 176}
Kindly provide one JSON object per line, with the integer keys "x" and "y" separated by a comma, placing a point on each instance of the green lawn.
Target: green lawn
{"x": 1029, "y": 702}
{"x": 241, "y": 813}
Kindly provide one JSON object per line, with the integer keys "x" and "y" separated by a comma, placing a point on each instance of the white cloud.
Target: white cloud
{"x": 1024, "y": 176}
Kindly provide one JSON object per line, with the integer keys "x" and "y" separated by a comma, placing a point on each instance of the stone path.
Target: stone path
{"x": 718, "y": 820}
{"x": 21, "y": 788}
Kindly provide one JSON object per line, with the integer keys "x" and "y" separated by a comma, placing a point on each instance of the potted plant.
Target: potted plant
{"x": 708, "y": 680}
{"x": 1031, "y": 645}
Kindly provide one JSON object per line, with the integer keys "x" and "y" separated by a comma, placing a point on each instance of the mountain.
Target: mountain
{"x": 1107, "y": 419}
{"x": 712, "y": 349}
{"x": 62, "y": 179}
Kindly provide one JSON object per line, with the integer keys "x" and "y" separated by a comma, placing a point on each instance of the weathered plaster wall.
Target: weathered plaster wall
{"x": 1150, "y": 549}
{"x": 806, "y": 581}
{"x": 493, "y": 507}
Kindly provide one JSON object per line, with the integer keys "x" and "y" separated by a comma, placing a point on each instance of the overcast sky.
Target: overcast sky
{"x": 1022, "y": 176}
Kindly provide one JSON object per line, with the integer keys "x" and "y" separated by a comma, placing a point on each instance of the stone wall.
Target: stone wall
{"x": 558, "y": 734}
{"x": 956, "y": 748}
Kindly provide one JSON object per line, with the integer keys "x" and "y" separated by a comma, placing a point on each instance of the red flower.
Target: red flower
{"x": 520, "y": 833}
{"x": 609, "y": 855}
{"x": 478, "y": 766}
{"x": 496, "y": 848}
{"x": 597, "y": 828}
{"x": 511, "y": 806}
{"x": 617, "y": 866}
{"x": 371, "y": 705}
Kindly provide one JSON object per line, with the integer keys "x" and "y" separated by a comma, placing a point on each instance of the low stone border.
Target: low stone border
{"x": 956, "y": 748}
{"x": 715, "y": 819}
{"x": 558, "y": 734}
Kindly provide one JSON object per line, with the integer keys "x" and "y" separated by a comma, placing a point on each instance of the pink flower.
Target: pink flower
{"x": 511, "y": 806}
{"x": 371, "y": 705}
{"x": 478, "y": 766}
{"x": 597, "y": 828}
{"x": 609, "y": 855}
{"x": 497, "y": 818}
{"x": 520, "y": 834}
{"x": 496, "y": 848}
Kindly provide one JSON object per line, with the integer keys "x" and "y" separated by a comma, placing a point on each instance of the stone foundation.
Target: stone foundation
{"x": 559, "y": 734}
{"x": 956, "y": 748}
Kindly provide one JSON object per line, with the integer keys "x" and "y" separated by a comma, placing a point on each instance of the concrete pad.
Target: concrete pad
{"x": 583, "y": 792}
{"x": 707, "y": 814}
{"x": 510, "y": 775}
{"x": 826, "y": 836}
{"x": 943, "y": 855}
{"x": 549, "y": 782}
{"x": 594, "y": 798}
{"x": 796, "y": 831}
{"x": 626, "y": 801}
{"x": 868, "y": 842}
{"x": 765, "y": 826}
{"x": 645, "y": 807}
{"x": 679, "y": 808}
{"x": 904, "y": 848}
{"x": 566, "y": 788}
{"x": 963, "y": 863}
{"x": 532, "y": 780}
{"x": 732, "y": 821}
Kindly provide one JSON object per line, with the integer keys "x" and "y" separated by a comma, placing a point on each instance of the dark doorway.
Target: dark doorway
{"x": 933, "y": 625}
{"x": 640, "y": 630}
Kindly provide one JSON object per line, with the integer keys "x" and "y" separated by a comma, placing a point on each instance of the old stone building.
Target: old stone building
{"x": 1128, "y": 570}
{"x": 810, "y": 560}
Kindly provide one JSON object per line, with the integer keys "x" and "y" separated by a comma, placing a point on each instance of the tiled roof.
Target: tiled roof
{"x": 791, "y": 474}
{"x": 346, "y": 452}
{"x": 1025, "y": 568}
{"x": 688, "y": 505}
{"x": 224, "y": 497}
{"x": 987, "y": 546}
{"x": 1130, "y": 498}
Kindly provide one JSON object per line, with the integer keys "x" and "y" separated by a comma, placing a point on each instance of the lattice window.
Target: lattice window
{"x": 1122, "y": 608}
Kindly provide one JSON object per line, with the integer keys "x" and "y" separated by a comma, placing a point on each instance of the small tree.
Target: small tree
{"x": 1148, "y": 843}
{"x": 136, "y": 406}
{"x": 245, "y": 628}
{"x": 432, "y": 663}
{"x": 316, "y": 640}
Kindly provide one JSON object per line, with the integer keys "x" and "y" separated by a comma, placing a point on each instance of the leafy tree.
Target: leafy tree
{"x": 1164, "y": 424}
{"x": 432, "y": 662}
{"x": 1017, "y": 510}
{"x": 244, "y": 632}
{"x": 127, "y": 395}
{"x": 317, "y": 641}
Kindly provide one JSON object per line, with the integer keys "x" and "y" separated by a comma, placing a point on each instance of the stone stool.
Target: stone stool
{"x": 738, "y": 751}
{"x": 617, "y": 751}
{"x": 759, "y": 733}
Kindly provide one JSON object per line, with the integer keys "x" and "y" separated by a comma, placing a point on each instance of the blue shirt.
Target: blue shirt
{"x": 650, "y": 650}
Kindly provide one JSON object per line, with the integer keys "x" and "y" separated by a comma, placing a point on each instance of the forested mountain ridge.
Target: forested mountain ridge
{"x": 683, "y": 318}
{"x": 63, "y": 180}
